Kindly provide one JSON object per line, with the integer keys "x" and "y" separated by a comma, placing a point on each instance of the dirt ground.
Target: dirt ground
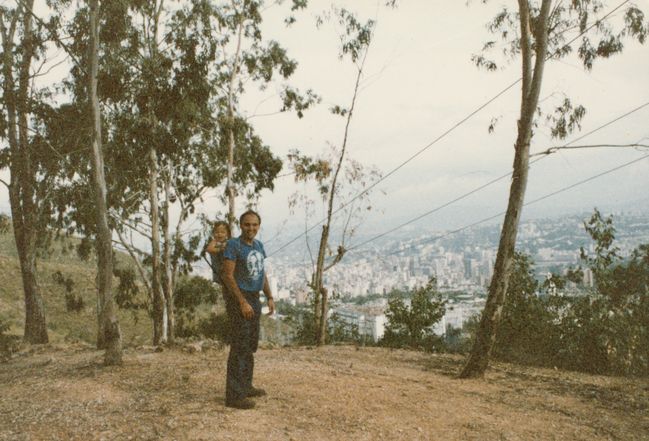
{"x": 331, "y": 393}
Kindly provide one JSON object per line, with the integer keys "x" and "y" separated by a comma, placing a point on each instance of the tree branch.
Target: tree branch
{"x": 55, "y": 38}
{"x": 131, "y": 252}
{"x": 590, "y": 146}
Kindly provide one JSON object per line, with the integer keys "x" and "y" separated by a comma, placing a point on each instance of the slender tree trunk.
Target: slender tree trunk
{"x": 320, "y": 291}
{"x": 531, "y": 86}
{"x": 231, "y": 144}
{"x": 166, "y": 253}
{"x": 160, "y": 329}
{"x": 21, "y": 187}
{"x": 109, "y": 335}
{"x": 156, "y": 286}
{"x": 35, "y": 325}
{"x": 319, "y": 301}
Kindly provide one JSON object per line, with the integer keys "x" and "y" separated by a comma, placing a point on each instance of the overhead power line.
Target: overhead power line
{"x": 497, "y": 215}
{"x": 545, "y": 153}
{"x": 534, "y": 201}
{"x": 401, "y": 165}
{"x": 444, "y": 134}
{"x": 613, "y": 121}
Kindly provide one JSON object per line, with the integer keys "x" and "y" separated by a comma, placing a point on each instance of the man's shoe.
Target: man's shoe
{"x": 244, "y": 403}
{"x": 256, "y": 392}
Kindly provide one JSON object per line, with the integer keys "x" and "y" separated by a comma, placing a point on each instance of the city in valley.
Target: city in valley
{"x": 461, "y": 262}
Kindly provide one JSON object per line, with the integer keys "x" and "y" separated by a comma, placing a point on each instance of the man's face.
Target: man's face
{"x": 249, "y": 227}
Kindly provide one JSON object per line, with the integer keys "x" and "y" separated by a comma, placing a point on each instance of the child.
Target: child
{"x": 216, "y": 246}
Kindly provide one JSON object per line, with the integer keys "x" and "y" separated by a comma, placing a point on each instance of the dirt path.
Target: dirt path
{"x": 332, "y": 393}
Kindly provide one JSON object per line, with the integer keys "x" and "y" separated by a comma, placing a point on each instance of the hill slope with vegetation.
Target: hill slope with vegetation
{"x": 62, "y": 273}
{"x": 331, "y": 393}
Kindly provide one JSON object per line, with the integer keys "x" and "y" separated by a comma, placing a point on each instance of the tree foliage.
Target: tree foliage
{"x": 339, "y": 179}
{"x": 410, "y": 324}
{"x": 164, "y": 73}
{"x": 600, "y": 330}
{"x": 537, "y": 31}
{"x": 583, "y": 29}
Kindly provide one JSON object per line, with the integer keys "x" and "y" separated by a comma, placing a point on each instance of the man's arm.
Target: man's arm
{"x": 269, "y": 296}
{"x": 231, "y": 284}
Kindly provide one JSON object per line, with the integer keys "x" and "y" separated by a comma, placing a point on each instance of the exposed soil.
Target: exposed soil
{"x": 331, "y": 393}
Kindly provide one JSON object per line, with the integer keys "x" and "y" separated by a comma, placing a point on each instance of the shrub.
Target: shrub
{"x": 193, "y": 299}
{"x": 412, "y": 325}
{"x": 73, "y": 303}
{"x": 8, "y": 343}
{"x": 603, "y": 330}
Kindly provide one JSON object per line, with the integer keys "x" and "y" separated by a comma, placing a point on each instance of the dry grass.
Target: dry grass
{"x": 331, "y": 393}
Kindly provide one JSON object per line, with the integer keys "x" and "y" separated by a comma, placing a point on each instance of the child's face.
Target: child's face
{"x": 220, "y": 233}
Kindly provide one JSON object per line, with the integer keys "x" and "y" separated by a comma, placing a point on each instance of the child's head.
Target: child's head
{"x": 221, "y": 231}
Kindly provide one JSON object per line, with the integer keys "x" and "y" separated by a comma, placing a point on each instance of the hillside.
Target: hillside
{"x": 63, "y": 325}
{"x": 333, "y": 393}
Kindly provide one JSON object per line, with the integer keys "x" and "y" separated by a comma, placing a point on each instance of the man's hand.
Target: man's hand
{"x": 246, "y": 310}
{"x": 271, "y": 306}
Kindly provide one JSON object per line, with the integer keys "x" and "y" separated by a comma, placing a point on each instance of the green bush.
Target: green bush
{"x": 603, "y": 330}
{"x": 73, "y": 303}
{"x": 411, "y": 326}
{"x": 8, "y": 343}
{"x": 194, "y": 298}
{"x": 300, "y": 319}
{"x": 192, "y": 291}
{"x": 525, "y": 333}
{"x": 216, "y": 327}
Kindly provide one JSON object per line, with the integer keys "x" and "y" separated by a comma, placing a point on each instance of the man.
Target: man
{"x": 244, "y": 277}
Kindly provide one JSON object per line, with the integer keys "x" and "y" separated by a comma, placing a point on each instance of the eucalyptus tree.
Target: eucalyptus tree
{"x": 155, "y": 94}
{"x": 538, "y": 31}
{"x": 109, "y": 336}
{"x": 336, "y": 175}
{"x": 33, "y": 165}
{"x": 160, "y": 87}
{"x": 245, "y": 57}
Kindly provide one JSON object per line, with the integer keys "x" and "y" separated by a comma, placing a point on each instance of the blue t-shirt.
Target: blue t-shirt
{"x": 249, "y": 263}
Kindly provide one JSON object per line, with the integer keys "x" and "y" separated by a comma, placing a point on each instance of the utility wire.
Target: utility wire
{"x": 500, "y": 214}
{"x": 444, "y": 134}
{"x": 401, "y": 165}
{"x": 554, "y": 193}
{"x": 642, "y": 106}
{"x": 545, "y": 153}
{"x": 428, "y": 213}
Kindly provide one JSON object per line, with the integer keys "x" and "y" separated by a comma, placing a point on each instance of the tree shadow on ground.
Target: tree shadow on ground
{"x": 448, "y": 365}
{"x": 619, "y": 393}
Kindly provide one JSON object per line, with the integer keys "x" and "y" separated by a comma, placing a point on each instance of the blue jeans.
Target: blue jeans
{"x": 244, "y": 338}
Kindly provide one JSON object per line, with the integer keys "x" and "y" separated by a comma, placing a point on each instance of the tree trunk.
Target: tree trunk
{"x": 230, "y": 178}
{"x": 166, "y": 253}
{"x": 109, "y": 335}
{"x": 320, "y": 290}
{"x": 35, "y": 325}
{"x": 531, "y": 86}
{"x": 231, "y": 144}
{"x": 21, "y": 187}
{"x": 156, "y": 286}
{"x": 320, "y": 302}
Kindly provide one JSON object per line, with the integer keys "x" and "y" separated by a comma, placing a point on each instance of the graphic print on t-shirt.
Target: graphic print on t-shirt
{"x": 255, "y": 264}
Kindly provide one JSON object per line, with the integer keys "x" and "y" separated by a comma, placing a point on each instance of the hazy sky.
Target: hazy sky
{"x": 419, "y": 83}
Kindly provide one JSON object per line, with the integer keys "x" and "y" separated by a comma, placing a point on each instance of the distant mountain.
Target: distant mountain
{"x": 628, "y": 222}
